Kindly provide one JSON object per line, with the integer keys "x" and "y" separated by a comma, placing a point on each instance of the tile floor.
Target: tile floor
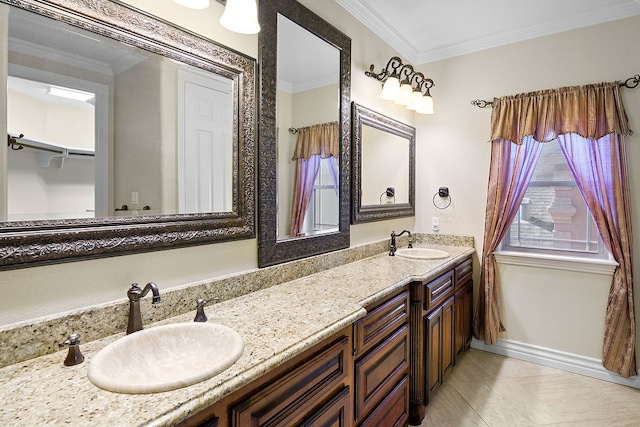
{"x": 489, "y": 390}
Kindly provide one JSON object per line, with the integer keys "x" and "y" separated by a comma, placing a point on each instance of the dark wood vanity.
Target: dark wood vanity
{"x": 381, "y": 371}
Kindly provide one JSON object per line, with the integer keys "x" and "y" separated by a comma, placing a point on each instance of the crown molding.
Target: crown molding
{"x": 376, "y": 23}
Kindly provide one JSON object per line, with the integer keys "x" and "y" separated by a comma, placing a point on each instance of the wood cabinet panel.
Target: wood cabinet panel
{"x": 380, "y": 321}
{"x": 433, "y": 352}
{"x": 437, "y": 290}
{"x": 393, "y": 411}
{"x": 464, "y": 271}
{"x": 448, "y": 329}
{"x": 336, "y": 413}
{"x": 380, "y": 370}
{"x": 287, "y": 401}
{"x": 464, "y": 317}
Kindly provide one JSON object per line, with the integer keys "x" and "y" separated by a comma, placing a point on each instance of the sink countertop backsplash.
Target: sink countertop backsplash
{"x": 41, "y": 390}
{"x": 26, "y": 340}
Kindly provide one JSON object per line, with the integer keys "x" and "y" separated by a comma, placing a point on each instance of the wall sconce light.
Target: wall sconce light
{"x": 240, "y": 16}
{"x": 404, "y": 86}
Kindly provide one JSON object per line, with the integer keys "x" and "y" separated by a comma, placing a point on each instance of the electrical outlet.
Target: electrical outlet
{"x": 134, "y": 197}
{"x": 435, "y": 223}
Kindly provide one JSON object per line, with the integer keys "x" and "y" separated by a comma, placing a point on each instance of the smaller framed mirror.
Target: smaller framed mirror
{"x": 383, "y": 166}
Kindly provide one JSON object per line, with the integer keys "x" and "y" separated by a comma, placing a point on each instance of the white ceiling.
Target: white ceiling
{"x": 429, "y": 30}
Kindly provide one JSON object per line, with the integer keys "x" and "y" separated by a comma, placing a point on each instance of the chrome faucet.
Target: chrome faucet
{"x": 135, "y": 293}
{"x": 392, "y": 245}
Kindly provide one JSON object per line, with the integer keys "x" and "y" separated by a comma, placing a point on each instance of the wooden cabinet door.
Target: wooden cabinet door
{"x": 448, "y": 329}
{"x": 433, "y": 353}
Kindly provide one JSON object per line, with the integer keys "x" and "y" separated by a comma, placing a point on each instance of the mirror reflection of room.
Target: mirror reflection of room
{"x": 307, "y": 105}
{"x": 385, "y": 164}
{"x": 153, "y": 137}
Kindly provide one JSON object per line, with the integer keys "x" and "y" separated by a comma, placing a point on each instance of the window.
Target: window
{"x": 323, "y": 212}
{"x": 553, "y": 217}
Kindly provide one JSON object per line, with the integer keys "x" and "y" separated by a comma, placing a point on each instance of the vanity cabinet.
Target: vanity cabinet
{"x": 358, "y": 377}
{"x": 313, "y": 389}
{"x": 382, "y": 363}
{"x": 441, "y": 313}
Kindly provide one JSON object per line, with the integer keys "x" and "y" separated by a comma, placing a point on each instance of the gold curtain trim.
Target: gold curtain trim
{"x": 591, "y": 111}
{"x": 321, "y": 139}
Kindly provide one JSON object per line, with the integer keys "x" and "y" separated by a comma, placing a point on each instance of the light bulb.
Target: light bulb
{"x": 241, "y": 16}
{"x": 416, "y": 100}
{"x": 406, "y": 92}
{"x": 390, "y": 89}
{"x": 427, "y": 105}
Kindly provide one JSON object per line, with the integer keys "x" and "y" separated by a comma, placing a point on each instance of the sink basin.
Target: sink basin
{"x": 165, "y": 357}
{"x": 421, "y": 253}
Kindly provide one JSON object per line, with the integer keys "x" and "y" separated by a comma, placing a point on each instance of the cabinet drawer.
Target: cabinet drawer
{"x": 438, "y": 289}
{"x": 394, "y": 410}
{"x": 337, "y": 412}
{"x": 464, "y": 271}
{"x": 288, "y": 400}
{"x": 380, "y": 322}
{"x": 378, "y": 372}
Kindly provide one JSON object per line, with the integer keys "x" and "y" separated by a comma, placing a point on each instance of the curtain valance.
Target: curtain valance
{"x": 321, "y": 139}
{"x": 590, "y": 111}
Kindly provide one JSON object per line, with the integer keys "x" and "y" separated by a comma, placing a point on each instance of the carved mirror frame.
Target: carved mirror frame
{"x": 271, "y": 250}
{"x": 29, "y": 243}
{"x": 363, "y": 116}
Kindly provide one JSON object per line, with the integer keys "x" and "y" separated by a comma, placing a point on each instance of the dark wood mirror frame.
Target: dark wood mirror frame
{"x": 270, "y": 250}
{"x": 24, "y": 244}
{"x": 364, "y": 116}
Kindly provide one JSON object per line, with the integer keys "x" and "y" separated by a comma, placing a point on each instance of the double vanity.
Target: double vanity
{"x": 355, "y": 342}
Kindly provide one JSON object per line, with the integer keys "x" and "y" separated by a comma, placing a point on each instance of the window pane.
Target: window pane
{"x": 553, "y": 214}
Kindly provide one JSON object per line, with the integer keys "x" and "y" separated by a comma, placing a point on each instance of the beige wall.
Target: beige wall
{"x": 138, "y": 135}
{"x": 451, "y": 151}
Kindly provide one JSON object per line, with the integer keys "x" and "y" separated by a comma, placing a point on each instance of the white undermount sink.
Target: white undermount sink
{"x": 165, "y": 357}
{"x": 421, "y": 253}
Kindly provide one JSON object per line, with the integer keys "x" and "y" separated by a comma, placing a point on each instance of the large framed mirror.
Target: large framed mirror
{"x": 305, "y": 133}
{"x": 124, "y": 132}
{"x": 383, "y": 166}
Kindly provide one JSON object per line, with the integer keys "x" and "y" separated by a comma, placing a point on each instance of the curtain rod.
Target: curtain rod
{"x": 630, "y": 83}
{"x": 295, "y": 130}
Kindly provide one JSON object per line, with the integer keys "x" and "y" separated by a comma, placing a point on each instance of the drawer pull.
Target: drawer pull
{"x": 438, "y": 290}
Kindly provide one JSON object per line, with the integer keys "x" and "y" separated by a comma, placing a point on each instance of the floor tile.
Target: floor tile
{"x": 488, "y": 390}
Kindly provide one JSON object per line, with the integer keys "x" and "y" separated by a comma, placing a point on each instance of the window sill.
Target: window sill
{"x": 583, "y": 265}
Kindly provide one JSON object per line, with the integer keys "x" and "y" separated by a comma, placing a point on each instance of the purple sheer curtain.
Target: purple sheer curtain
{"x": 306, "y": 172}
{"x": 333, "y": 170}
{"x": 510, "y": 173}
{"x": 600, "y": 170}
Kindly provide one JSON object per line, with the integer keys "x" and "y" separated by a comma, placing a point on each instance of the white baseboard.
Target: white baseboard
{"x": 569, "y": 362}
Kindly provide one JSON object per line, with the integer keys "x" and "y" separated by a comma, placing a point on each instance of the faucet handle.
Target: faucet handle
{"x": 74, "y": 356}
{"x": 200, "y": 303}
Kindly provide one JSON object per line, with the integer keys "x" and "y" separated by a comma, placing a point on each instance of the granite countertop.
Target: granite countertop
{"x": 276, "y": 324}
